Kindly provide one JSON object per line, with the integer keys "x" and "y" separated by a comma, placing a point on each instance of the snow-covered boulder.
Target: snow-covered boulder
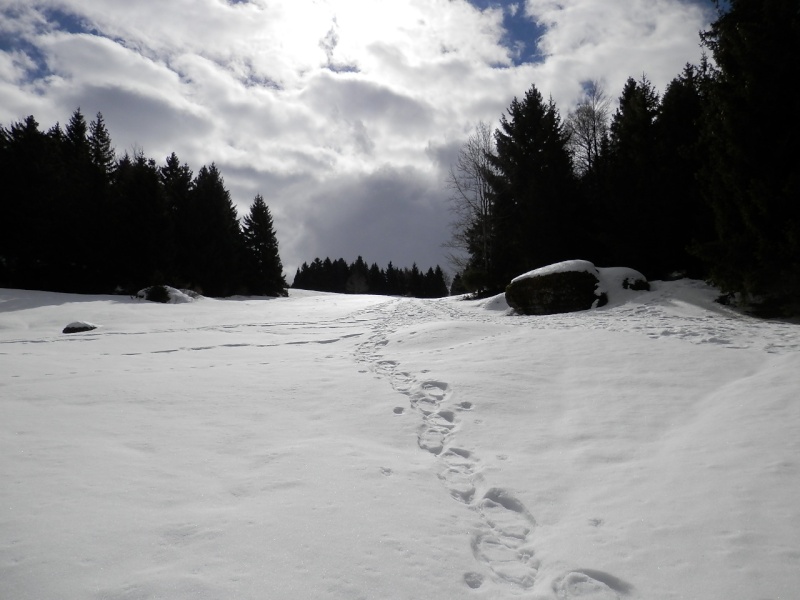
{"x": 78, "y": 327}
{"x": 167, "y": 295}
{"x": 569, "y": 286}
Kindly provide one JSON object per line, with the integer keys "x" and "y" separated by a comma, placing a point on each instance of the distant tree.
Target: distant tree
{"x": 457, "y": 287}
{"x": 434, "y": 285}
{"x": 177, "y": 182}
{"x": 31, "y": 206}
{"x": 100, "y": 148}
{"x": 376, "y": 280}
{"x": 264, "y": 270}
{"x": 752, "y": 178}
{"x": 142, "y": 245}
{"x": 394, "y": 281}
{"x": 215, "y": 241}
{"x": 471, "y": 204}
{"x": 358, "y": 278}
{"x": 77, "y": 138}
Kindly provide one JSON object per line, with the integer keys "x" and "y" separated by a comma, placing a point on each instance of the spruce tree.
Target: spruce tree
{"x": 683, "y": 217}
{"x": 177, "y": 182}
{"x": 100, "y": 148}
{"x": 214, "y": 241}
{"x": 142, "y": 240}
{"x": 632, "y": 203}
{"x": 752, "y": 181}
{"x": 534, "y": 191}
{"x": 264, "y": 270}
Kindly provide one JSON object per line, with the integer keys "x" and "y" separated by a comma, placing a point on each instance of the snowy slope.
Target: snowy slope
{"x": 325, "y": 446}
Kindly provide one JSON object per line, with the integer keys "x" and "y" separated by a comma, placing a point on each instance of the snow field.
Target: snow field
{"x": 327, "y": 446}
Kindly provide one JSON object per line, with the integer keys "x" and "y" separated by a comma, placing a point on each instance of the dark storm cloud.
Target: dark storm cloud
{"x": 389, "y": 215}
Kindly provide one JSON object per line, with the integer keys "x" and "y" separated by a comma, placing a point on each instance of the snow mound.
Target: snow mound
{"x": 495, "y": 303}
{"x": 175, "y": 295}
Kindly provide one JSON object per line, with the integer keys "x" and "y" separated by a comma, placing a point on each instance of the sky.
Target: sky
{"x": 342, "y": 447}
{"x": 345, "y": 115}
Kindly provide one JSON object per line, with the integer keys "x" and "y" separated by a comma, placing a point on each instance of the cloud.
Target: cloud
{"x": 344, "y": 114}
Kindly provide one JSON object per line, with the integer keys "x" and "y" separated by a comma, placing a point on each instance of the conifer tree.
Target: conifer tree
{"x": 32, "y": 172}
{"x": 177, "y": 181}
{"x": 376, "y": 280}
{"x": 100, "y": 148}
{"x": 264, "y": 270}
{"x": 214, "y": 236}
{"x": 534, "y": 191}
{"x": 683, "y": 217}
{"x": 752, "y": 180}
{"x": 142, "y": 237}
{"x": 631, "y": 202}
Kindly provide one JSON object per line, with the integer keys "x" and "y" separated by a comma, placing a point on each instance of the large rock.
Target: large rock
{"x": 569, "y": 286}
{"x": 78, "y": 327}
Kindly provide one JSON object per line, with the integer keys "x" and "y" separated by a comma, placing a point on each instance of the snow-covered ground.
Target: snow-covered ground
{"x": 345, "y": 447}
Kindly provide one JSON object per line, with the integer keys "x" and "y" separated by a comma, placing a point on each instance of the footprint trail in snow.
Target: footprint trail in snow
{"x": 502, "y": 543}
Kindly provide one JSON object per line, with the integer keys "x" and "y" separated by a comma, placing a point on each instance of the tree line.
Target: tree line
{"x": 357, "y": 278}
{"x": 700, "y": 181}
{"x": 74, "y": 218}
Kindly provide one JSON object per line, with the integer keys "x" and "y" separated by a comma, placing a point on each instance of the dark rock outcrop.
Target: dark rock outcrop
{"x": 78, "y": 327}
{"x": 560, "y": 292}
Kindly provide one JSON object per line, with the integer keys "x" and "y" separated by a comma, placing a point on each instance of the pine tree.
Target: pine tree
{"x": 31, "y": 216}
{"x": 214, "y": 237}
{"x": 358, "y": 279}
{"x": 177, "y": 181}
{"x": 376, "y": 280}
{"x": 631, "y": 204}
{"x": 142, "y": 240}
{"x": 534, "y": 191}
{"x": 684, "y": 218}
{"x": 100, "y": 148}
{"x": 264, "y": 273}
{"x": 752, "y": 181}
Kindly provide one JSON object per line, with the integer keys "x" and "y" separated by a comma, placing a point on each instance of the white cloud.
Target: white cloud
{"x": 340, "y": 112}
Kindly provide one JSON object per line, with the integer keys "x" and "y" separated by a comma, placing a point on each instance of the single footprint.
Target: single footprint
{"x": 508, "y": 558}
{"x": 399, "y": 410}
{"x": 473, "y": 580}
{"x": 579, "y": 585}
{"x": 431, "y": 439}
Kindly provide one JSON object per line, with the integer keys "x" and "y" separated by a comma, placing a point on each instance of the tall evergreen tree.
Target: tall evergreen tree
{"x": 214, "y": 237}
{"x": 85, "y": 208}
{"x": 264, "y": 270}
{"x": 631, "y": 203}
{"x": 683, "y": 218}
{"x": 100, "y": 148}
{"x": 752, "y": 179}
{"x": 142, "y": 234}
{"x": 358, "y": 279}
{"x": 534, "y": 191}
{"x": 31, "y": 216}
{"x": 177, "y": 181}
